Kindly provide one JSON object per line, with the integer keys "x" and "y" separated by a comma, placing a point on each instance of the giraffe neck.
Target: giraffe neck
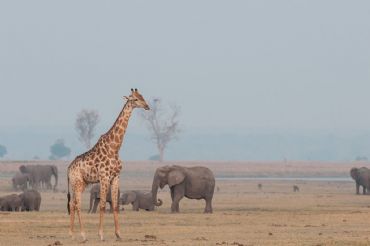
{"x": 117, "y": 131}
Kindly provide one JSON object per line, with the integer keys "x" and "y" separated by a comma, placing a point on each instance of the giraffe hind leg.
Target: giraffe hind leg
{"x": 76, "y": 206}
{"x": 104, "y": 185}
{"x": 115, "y": 195}
{"x": 72, "y": 206}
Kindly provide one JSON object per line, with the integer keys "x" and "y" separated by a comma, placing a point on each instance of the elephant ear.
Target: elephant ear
{"x": 23, "y": 169}
{"x": 354, "y": 173}
{"x": 131, "y": 196}
{"x": 175, "y": 177}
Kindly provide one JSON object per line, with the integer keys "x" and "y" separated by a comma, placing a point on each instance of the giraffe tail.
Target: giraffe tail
{"x": 68, "y": 198}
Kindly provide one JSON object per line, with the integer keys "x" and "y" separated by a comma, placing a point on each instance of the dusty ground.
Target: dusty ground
{"x": 322, "y": 213}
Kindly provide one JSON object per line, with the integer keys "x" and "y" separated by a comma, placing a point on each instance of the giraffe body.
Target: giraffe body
{"x": 101, "y": 164}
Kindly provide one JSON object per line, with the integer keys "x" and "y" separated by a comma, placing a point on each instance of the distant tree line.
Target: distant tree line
{"x": 3, "y": 150}
{"x": 59, "y": 150}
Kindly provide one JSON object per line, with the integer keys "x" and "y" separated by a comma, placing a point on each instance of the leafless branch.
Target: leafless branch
{"x": 85, "y": 126}
{"x": 162, "y": 123}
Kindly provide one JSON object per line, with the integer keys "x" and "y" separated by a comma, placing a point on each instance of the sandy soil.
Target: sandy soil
{"x": 322, "y": 213}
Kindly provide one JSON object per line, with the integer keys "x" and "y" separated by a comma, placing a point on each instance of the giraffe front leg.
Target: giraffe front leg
{"x": 115, "y": 195}
{"x": 104, "y": 185}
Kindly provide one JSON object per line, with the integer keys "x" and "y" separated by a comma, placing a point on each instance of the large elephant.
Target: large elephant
{"x": 31, "y": 200}
{"x": 21, "y": 180}
{"x": 139, "y": 200}
{"x": 10, "y": 203}
{"x": 191, "y": 182}
{"x": 362, "y": 178}
{"x": 95, "y": 198}
{"x": 41, "y": 174}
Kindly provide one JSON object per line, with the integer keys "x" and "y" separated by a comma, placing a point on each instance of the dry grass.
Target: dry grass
{"x": 322, "y": 213}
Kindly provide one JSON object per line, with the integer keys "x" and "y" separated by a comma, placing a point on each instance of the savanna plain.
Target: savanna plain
{"x": 326, "y": 210}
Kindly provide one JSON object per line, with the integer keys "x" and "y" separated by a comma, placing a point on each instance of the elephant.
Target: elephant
{"x": 192, "y": 182}
{"x": 21, "y": 180}
{"x": 41, "y": 174}
{"x": 295, "y": 188}
{"x": 95, "y": 198}
{"x": 362, "y": 178}
{"x": 31, "y": 200}
{"x": 139, "y": 199}
{"x": 10, "y": 203}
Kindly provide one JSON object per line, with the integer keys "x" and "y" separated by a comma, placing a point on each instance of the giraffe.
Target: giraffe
{"x": 101, "y": 164}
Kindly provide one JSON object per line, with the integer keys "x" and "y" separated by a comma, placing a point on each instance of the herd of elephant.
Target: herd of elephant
{"x": 190, "y": 182}
{"x": 28, "y": 200}
{"x": 35, "y": 177}
{"x": 29, "y": 179}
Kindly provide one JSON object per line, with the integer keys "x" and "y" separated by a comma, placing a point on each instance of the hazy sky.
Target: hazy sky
{"x": 228, "y": 64}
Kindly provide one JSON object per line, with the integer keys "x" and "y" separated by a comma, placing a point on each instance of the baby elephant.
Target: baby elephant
{"x": 139, "y": 199}
{"x": 31, "y": 200}
{"x": 20, "y": 180}
{"x": 95, "y": 198}
{"x": 10, "y": 203}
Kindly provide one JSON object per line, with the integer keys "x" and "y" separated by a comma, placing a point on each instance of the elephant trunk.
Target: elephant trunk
{"x": 91, "y": 202}
{"x": 14, "y": 184}
{"x": 159, "y": 202}
{"x": 154, "y": 191}
{"x": 55, "y": 172}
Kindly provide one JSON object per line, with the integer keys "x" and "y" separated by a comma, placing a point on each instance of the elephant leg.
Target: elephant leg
{"x": 135, "y": 205}
{"x": 96, "y": 202}
{"x": 92, "y": 201}
{"x": 364, "y": 190}
{"x": 178, "y": 194}
{"x": 172, "y": 193}
{"x": 48, "y": 185}
{"x": 38, "y": 203}
{"x": 208, "y": 208}
{"x": 174, "y": 208}
{"x": 32, "y": 206}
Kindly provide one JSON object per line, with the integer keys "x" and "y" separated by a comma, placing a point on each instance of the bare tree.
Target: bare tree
{"x": 85, "y": 126}
{"x": 163, "y": 124}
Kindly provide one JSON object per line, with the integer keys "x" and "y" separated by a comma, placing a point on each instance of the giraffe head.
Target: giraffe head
{"x": 137, "y": 100}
